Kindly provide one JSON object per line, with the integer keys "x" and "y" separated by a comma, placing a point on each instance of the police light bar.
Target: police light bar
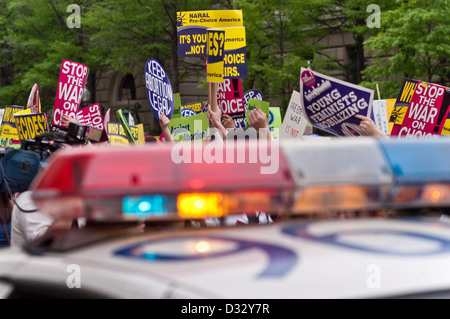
{"x": 185, "y": 180}
{"x": 191, "y": 180}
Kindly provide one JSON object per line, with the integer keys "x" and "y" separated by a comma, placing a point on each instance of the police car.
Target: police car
{"x": 351, "y": 218}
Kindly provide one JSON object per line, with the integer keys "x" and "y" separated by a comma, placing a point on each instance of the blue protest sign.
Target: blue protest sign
{"x": 331, "y": 104}
{"x": 159, "y": 90}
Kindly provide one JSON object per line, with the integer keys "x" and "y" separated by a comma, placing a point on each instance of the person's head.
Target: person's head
{"x": 150, "y": 139}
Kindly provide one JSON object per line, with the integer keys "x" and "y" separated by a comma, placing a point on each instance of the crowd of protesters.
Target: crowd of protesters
{"x": 22, "y": 222}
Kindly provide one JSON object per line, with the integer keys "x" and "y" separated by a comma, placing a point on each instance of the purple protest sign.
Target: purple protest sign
{"x": 331, "y": 104}
{"x": 159, "y": 89}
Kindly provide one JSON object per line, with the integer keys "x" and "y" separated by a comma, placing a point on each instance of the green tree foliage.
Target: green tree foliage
{"x": 279, "y": 42}
{"x": 413, "y": 42}
{"x": 133, "y": 31}
{"x": 38, "y": 39}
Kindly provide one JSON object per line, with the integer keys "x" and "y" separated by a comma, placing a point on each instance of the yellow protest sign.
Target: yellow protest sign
{"x": 216, "y": 45}
{"x": 446, "y": 128}
{"x": 8, "y": 128}
{"x": 117, "y": 136}
{"x": 30, "y": 125}
{"x": 192, "y": 26}
{"x": 140, "y": 135}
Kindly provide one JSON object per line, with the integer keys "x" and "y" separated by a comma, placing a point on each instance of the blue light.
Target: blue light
{"x": 145, "y": 206}
{"x": 419, "y": 161}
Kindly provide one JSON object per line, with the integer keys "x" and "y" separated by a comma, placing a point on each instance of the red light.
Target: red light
{"x": 197, "y": 184}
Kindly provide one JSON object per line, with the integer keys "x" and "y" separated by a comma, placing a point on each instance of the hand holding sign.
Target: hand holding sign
{"x": 228, "y": 122}
{"x": 214, "y": 116}
{"x": 368, "y": 127}
{"x": 66, "y": 119}
{"x": 164, "y": 123}
{"x": 258, "y": 119}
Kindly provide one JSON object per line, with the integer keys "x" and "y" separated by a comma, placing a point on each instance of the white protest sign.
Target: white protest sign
{"x": 379, "y": 110}
{"x": 294, "y": 122}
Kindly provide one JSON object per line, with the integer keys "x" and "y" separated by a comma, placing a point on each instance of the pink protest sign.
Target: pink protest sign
{"x": 72, "y": 79}
{"x": 230, "y": 100}
{"x": 33, "y": 100}
{"x": 91, "y": 116}
{"x": 426, "y": 113}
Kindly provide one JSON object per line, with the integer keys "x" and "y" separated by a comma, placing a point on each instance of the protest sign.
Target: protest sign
{"x": 91, "y": 116}
{"x": 72, "y": 79}
{"x": 379, "y": 111}
{"x": 401, "y": 105}
{"x": 235, "y": 53}
{"x": 34, "y": 103}
{"x": 252, "y": 94}
{"x": 216, "y": 45}
{"x": 262, "y": 105}
{"x": 274, "y": 121}
{"x": 230, "y": 100}
{"x": 294, "y": 122}
{"x": 9, "y": 143}
{"x": 159, "y": 89}
{"x": 140, "y": 136}
{"x": 425, "y": 109}
{"x": 176, "y": 106}
{"x": 446, "y": 127}
{"x": 331, "y": 104}
{"x": 389, "y": 109}
{"x": 126, "y": 127}
{"x": 131, "y": 120}
{"x": 8, "y": 128}
{"x": 117, "y": 136}
{"x": 30, "y": 125}
{"x": 190, "y": 128}
{"x": 192, "y": 28}
{"x": 107, "y": 117}
{"x": 191, "y": 109}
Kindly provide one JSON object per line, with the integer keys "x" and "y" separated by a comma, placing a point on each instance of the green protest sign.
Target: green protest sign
{"x": 190, "y": 128}
{"x": 274, "y": 121}
{"x": 125, "y": 126}
{"x": 177, "y": 106}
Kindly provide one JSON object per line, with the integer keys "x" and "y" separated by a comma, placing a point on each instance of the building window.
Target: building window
{"x": 127, "y": 90}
